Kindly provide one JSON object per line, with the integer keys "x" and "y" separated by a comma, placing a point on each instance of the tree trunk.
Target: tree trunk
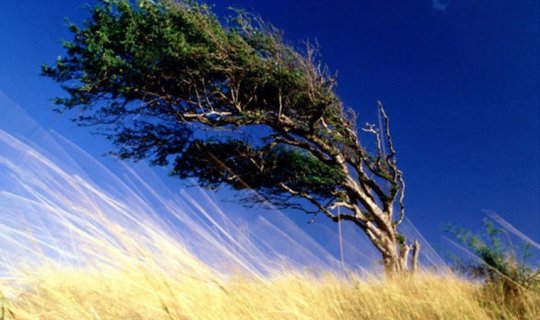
{"x": 395, "y": 262}
{"x": 395, "y": 253}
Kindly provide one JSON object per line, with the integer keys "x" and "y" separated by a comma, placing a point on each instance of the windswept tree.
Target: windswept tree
{"x": 230, "y": 103}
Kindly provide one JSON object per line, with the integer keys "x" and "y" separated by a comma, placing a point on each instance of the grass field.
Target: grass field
{"x": 124, "y": 279}
{"x": 141, "y": 293}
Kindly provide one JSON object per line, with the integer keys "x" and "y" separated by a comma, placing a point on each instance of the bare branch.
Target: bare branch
{"x": 415, "y": 256}
{"x": 388, "y": 136}
{"x": 401, "y": 201}
{"x": 310, "y": 199}
{"x": 371, "y": 128}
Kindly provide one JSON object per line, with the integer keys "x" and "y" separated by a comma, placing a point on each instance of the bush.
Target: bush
{"x": 505, "y": 269}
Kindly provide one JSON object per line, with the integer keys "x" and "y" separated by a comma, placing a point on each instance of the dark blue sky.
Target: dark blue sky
{"x": 460, "y": 80}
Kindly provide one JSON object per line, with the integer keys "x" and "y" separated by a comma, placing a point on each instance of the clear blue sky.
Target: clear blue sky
{"x": 459, "y": 78}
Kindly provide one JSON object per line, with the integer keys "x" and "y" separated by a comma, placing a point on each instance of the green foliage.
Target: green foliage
{"x": 216, "y": 162}
{"x": 150, "y": 75}
{"x": 401, "y": 239}
{"x": 500, "y": 264}
{"x": 167, "y": 50}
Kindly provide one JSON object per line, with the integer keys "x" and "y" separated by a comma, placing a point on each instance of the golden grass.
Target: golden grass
{"x": 140, "y": 293}
{"x": 148, "y": 274}
{"x": 144, "y": 273}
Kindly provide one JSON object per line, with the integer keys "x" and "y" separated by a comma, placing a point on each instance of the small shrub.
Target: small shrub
{"x": 506, "y": 269}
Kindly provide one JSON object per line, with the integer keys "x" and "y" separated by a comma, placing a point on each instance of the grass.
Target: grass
{"x": 128, "y": 281}
{"x": 139, "y": 294}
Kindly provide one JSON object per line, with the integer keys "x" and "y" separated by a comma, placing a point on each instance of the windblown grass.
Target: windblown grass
{"x": 127, "y": 281}
{"x": 143, "y": 294}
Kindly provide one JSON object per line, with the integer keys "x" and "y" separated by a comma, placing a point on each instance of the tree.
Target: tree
{"x": 231, "y": 103}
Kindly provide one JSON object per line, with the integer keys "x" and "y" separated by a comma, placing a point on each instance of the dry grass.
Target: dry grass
{"x": 141, "y": 291}
{"x": 78, "y": 295}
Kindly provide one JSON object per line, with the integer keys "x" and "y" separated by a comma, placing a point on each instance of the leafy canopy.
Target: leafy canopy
{"x": 156, "y": 73}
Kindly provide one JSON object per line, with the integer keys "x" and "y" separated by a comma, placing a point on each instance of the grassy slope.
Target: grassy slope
{"x": 141, "y": 293}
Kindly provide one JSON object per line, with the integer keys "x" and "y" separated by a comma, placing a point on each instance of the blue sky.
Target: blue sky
{"x": 460, "y": 80}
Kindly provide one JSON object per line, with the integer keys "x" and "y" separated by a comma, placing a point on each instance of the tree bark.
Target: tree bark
{"x": 398, "y": 257}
